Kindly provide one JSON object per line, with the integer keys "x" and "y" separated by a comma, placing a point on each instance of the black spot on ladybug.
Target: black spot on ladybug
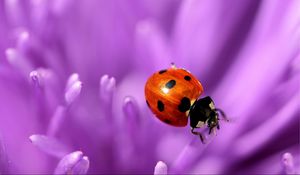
{"x": 187, "y": 78}
{"x": 162, "y": 71}
{"x": 160, "y": 106}
{"x": 167, "y": 121}
{"x": 184, "y": 105}
{"x": 171, "y": 84}
{"x": 148, "y": 103}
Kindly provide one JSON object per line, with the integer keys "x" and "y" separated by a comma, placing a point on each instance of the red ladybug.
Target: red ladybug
{"x": 173, "y": 96}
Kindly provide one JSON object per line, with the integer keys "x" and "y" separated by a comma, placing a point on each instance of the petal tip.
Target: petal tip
{"x": 160, "y": 168}
{"x": 73, "y": 163}
{"x": 107, "y": 87}
{"x": 73, "y": 92}
{"x": 288, "y": 163}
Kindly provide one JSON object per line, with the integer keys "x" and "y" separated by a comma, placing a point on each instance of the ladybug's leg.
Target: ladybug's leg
{"x": 222, "y": 114}
{"x": 213, "y": 130}
{"x": 199, "y": 134}
{"x": 210, "y": 129}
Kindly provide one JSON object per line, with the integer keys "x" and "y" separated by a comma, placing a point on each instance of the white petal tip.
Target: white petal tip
{"x": 33, "y": 138}
{"x": 41, "y": 76}
{"x": 107, "y": 87}
{"x": 73, "y": 92}
{"x": 82, "y": 166}
{"x": 72, "y": 79}
{"x": 34, "y": 76}
{"x": 160, "y": 168}
{"x": 127, "y": 100}
{"x": 11, "y": 55}
{"x": 288, "y": 163}
{"x": 130, "y": 107}
{"x": 23, "y": 38}
{"x": 103, "y": 79}
{"x": 73, "y": 163}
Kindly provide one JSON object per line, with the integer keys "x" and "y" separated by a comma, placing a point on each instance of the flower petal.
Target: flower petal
{"x": 73, "y": 163}
{"x": 131, "y": 110}
{"x": 73, "y": 92}
{"x": 16, "y": 59}
{"x": 188, "y": 155}
{"x": 56, "y": 120}
{"x": 72, "y": 80}
{"x": 59, "y": 7}
{"x": 14, "y": 11}
{"x": 82, "y": 166}
{"x": 151, "y": 45}
{"x": 4, "y": 163}
{"x": 259, "y": 68}
{"x": 49, "y": 145}
{"x": 160, "y": 168}
{"x": 23, "y": 41}
{"x": 132, "y": 118}
{"x": 205, "y": 45}
{"x": 39, "y": 11}
{"x": 274, "y": 126}
{"x": 288, "y": 163}
{"x": 41, "y": 76}
{"x": 107, "y": 88}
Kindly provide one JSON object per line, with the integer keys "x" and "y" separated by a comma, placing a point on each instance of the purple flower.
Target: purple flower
{"x": 72, "y": 78}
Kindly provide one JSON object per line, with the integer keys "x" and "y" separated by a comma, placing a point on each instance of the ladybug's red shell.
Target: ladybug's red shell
{"x": 170, "y": 94}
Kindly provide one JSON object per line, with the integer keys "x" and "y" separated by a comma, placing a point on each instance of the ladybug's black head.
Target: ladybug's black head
{"x": 202, "y": 112}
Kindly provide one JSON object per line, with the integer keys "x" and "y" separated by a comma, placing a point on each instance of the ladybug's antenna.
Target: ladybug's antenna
{"x": 222, "y": 114}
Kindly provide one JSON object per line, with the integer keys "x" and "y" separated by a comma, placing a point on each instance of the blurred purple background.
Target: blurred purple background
{"x": 72, "y": 77}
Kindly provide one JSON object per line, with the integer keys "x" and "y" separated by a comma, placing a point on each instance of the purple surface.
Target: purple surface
{"x": 72, "y": 77}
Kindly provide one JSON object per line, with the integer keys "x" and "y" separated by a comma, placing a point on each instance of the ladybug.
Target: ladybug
{"x": 173, "y": 96}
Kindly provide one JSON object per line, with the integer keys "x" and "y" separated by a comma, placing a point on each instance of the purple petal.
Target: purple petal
{"x": 132, "y": 118}
{"x": 204, "y": 45}
{"x": 131, "y": 110}
{"x": 189, "y": 153}
{"x": 49, "y": 145}
{"x": 15, "y": 58}
{"x": 73, "y": 92}
{"x": 14, "y": 12}
{"x": 82, "y": 166}
{"x": 35, "y": 78}
{"x": 47, "y": 89}
{"x": 209, "y": 165}
{"x": 160, "y": 168}
{"x": 288, "y": 163}
{"x": 259, "y": 68}
{"x": 41, "y": 76}
{"x": 56, "y": 120}
{"x": 107, "y": 88}
{"x": 4, "y": 163}
{"x": 274, "y": 126}
{"x": 151, "y": 45}
{"x": 23, "y": 41}
{"x": 39, "y": 10}
{"x": 58, "y": 7}
{"x": 72, "y": 80}
{"x": 73, "y": 163}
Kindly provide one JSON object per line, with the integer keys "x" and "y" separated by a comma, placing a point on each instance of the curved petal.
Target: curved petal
{"x": 49, "y": 145}
{"x": 73, "y": 163}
